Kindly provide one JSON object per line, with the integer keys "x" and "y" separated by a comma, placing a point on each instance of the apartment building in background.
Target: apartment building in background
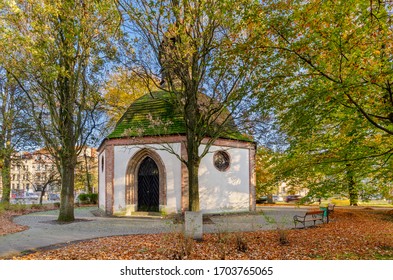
{"x": 31, "y": 172}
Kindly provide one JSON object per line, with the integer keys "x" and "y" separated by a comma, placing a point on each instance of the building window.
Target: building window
{"x": 102, "y": 164}
{"x": 221, "y": 160}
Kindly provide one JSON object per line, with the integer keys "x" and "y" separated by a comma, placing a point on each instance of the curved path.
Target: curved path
{"x": 45, "y": 231}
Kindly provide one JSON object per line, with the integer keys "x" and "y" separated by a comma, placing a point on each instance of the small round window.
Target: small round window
{"x": 221, "y": 160}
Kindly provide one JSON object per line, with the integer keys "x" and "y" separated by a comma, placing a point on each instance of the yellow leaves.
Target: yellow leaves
{"x": 375, "y": 140}
{"x": 124, "y": 87}
{"x": 351, "y": 234}
{"x": 13, "y": 6}
{"x": 378, "y": 139}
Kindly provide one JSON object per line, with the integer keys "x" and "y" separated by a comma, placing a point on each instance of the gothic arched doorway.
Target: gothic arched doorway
{"x": 148, "y": 186}
{"x": 145, "y": 171}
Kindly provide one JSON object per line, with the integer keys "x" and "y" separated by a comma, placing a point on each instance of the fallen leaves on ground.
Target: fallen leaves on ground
{"x": 6, "y": 216}
{"x": 351, "y": 234}
{"x": 6, "y": 224}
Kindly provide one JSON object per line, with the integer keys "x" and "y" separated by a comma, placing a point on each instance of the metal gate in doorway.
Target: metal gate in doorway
{"x": 148, "y": 186}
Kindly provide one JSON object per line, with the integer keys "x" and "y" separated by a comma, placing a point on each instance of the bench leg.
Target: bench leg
{"x": 296, "y": 221}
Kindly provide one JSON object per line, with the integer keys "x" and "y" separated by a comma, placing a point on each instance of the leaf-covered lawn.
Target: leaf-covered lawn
{"x": 7, "y": 212}
{"x": 351, "y": 234}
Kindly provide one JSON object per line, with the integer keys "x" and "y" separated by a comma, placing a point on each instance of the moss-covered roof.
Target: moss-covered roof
{"x": 155, "y": 115}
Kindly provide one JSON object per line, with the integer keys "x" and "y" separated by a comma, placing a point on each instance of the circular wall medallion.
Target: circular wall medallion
{"x": 221, "y": 160}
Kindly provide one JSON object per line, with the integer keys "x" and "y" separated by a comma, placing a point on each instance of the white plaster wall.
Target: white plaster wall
{"x": 123, "y": 154}
{"x": 101, "y": 182}
{"x": 224, "y": 191}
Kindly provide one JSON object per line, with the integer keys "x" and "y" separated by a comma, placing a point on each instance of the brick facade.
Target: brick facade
{"x": 109, "y": 177}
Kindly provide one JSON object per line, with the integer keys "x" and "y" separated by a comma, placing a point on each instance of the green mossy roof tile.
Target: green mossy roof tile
{"x": 154, "y": 115}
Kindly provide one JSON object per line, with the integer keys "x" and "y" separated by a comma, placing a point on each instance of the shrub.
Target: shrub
{"x": 83, "y": 198}
{"x": 3, "y": 206}
{"x": 283, "y": 236}
{"x": 88, "y": 198}
{"x": 17, "y": 207}
{"x": 93, "y": 197}
{"x": 182, "y": 247}
{"x": 6, "y": 206}
{"x": 241, "y": 244}
{"x": 36, "y": 206}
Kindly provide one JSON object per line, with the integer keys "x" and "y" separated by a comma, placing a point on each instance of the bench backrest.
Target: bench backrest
{"x": 314, "y": 212}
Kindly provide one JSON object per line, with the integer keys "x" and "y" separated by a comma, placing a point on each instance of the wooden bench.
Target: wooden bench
{"x": 309, "y": 216}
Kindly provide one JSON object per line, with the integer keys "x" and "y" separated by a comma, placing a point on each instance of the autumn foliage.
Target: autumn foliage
{"x": 356, "y": 233}
{"x": 8, "y": 211}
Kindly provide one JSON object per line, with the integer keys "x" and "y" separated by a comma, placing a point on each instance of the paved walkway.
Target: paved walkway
{"x": 44, "y": 231}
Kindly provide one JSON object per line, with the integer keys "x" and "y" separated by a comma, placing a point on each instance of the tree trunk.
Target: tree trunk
{"x": 193, "y": 182}
{"x": 193, "y": 159}
{"x": 6, "y": 152}
{"x": 67, "y": 137}
{"x": 42, "y": 195}
{"x": 67, "y": 192}
{"x": 7, "y": 162}
{"x": 353, "y": 194}
{"x": 6, "y": 178}
{"x": 67, "y": 157}
{"x": 89, "y": 188}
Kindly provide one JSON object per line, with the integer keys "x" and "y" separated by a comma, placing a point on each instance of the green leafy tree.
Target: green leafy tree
{"x": 16, "y": 128}
{"x": 198, "y": 49}
{"x": 86, "y": 171}
{"x": 263, "y": 169}
{"x": 123, "y": 87}
{"x": 331, "y": 90}
{"x": 56, "y": 50}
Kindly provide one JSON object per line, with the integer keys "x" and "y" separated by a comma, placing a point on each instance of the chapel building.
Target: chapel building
{"x": 140, "y": 170}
